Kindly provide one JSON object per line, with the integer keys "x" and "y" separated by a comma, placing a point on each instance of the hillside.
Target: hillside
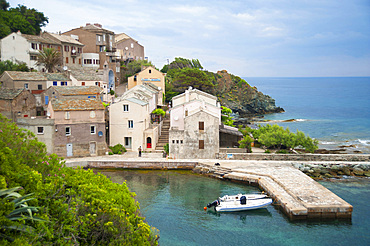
{"x": 232, "y": 91}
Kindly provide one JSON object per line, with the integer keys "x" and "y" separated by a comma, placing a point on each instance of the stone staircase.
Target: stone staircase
{"x": 163, "y": 139}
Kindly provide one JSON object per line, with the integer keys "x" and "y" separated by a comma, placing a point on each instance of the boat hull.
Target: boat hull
{"x": 236, "y": 206}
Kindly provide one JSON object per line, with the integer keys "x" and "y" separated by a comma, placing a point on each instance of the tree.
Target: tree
{"x": 225, "y": 116}
{"x": 276, "y": 137}
{"x": 50, "y": 58}
{"x": 11, "y": 66}
{"x": 191, "y": 77}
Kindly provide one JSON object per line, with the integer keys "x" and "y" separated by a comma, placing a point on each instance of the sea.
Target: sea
{"x": 333, "y": 110}
{"x": 173, "y": 202}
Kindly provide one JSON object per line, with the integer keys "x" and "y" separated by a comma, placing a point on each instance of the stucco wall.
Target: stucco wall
{"x": 118, "y": 123}
{"x": 149, "y": 77}
{"x": 47, "y": 137}
{"x": 191, "y": 135}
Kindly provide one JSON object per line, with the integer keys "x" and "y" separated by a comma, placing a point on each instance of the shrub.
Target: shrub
{"x": 80, "y": 207}
{"x": 159, "y": 111}
{"x": 118, "y": 149}
{"x": 166, "y": 148}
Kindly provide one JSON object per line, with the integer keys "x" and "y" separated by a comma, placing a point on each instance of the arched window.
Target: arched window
{"x": 148, "y": 142}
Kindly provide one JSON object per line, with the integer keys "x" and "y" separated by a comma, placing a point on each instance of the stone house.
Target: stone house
{"x": 147, "y": 75}
{"x": 130, "y": 121}
{"x": 71, "y": 49}
{"x": 194, "y": 127}
{"x": 42, "y": 127}
{"x": 75, "y": 92}
{"x": 129, "y": 48}
{"x": 17, "y": 103}
{"x": 35, "y": 82}
{"x": 79, "y": 127}
{"x": 99, "y": 42}
{"x": 18, "y": 47}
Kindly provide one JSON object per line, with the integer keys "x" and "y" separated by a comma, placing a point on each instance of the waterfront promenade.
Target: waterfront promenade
{"x": 299, "y": 196}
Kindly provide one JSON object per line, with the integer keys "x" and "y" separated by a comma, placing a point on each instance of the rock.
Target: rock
{"x": 328, "y": 175}
{"x": 346, "y": 170}
{"x": 367, "y": 173}
{"x": 324, "y": 170}
{"x": 358, "y": 171}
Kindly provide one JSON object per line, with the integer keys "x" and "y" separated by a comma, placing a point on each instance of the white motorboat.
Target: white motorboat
{"x": 240, "y": 203}
{"x": 228, "y": 198}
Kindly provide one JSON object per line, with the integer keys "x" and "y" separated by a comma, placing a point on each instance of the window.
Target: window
{"x": 34, "y": 46}
{"x": 130, "y": 124}
{"x": 186, "y": 112}
{"x": 63, "y": 83}
{"x": 125, "y": 108}
{"x": 79, "y": 61}
{"x": 150, "y": 71}
{"x": 33, "y": 58}
{"x": 201, "y": 144}
{"x": 73, "y": 60}
{"x": 92, "y": 114}
{"x": 66, "y": 48}
{"x": 40, "y": 130}
{"x": 201, "y": 126}
{"x": 68, "y": 130}
{"x": 39, "y": 87}
{"x": 97, "y": 83}
{"x": 55, "y": 83}
{"x": 66, "y": 59}
{"x": 92, "y": 130}
{"x": 132, "y": 45}
{"x": 67, "y": 115}
{"x": 82, "y": 83}
{"x": 26, "y": 86}
{"x": 46, "y": 100}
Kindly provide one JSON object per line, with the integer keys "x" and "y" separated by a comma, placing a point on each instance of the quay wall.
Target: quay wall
{"x": 145, "y": 164}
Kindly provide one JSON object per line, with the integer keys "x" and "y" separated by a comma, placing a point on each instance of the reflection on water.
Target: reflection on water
{"x": 173, "y": 201}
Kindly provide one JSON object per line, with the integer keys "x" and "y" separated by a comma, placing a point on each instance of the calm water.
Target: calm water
{"x": 173, "y": 201}
{"x": 336, "y": 111}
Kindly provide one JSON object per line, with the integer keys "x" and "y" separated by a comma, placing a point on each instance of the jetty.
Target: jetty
{"x": 299, "y": 196}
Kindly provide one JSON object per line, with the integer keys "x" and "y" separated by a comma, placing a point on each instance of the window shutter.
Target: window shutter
{"x": 201, "y": 144}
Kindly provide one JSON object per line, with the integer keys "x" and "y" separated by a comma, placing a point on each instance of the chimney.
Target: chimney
{"x": 88, "y": 24}
{"x": 98, "y": 25}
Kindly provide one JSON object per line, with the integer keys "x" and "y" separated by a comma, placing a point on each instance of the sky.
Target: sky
{"x": 248, "y": 38}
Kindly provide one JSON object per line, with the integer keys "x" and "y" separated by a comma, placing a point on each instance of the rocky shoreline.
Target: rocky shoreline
{"x": 322, "y": 171}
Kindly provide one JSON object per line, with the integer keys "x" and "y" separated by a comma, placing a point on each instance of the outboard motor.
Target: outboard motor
{"x": 213, "y": 204}
{"x": 243, "y": 200}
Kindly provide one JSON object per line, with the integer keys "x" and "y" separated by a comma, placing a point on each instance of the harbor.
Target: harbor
{"x": 296, "y": 194}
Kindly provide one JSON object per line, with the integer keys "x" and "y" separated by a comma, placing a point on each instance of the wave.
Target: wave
{"x": 282, "y": 121}
{"x": 364, "y": 142}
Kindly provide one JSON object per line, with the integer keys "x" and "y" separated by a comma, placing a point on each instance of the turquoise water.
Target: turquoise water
{"x": 334, "y": 110}
{"x": 173, "y": 201}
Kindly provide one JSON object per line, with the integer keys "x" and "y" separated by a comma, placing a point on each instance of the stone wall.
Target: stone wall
{"x": 294, "y": 157}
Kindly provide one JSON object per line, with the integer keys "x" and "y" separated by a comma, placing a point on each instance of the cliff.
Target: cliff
{"x": 243, "y": 99}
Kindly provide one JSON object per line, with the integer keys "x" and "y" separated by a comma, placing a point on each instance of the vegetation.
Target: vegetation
{"x": 50, "y": 58}
{"x": 28, "y": 21}
{"x": 276, "y": 137}
{"x": 226, "y": 116}
{"x": 167, "y": 148}
{"x": 11, "y": 66}
{"x": 159, "y": 111}
{"x": 118, "y": 149}
{"x": 75, "y": 206}
{"x": 131, "y": 67}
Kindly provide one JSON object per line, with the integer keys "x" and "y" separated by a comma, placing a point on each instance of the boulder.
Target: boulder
{"x": 358, "y": 171}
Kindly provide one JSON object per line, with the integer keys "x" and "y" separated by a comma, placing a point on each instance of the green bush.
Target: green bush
{"x": 159, "y": 111}
{"x": 166, "y": 148}
{"x": 276, "y": 137}
{"x": 75, "y": 206}
{"x": 118, "y": 149}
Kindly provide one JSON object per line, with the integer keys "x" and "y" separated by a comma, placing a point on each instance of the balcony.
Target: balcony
{"x": 74, "y": 53}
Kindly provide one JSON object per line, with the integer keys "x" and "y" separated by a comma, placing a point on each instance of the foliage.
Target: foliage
{"x": 50, "y": 58}
{"x": 159, "y": 111}
{"x": 167, "y": 148}
{"x": 11, "y": 66}
{"x": 15, "y": 208}
{"x": 21, "y": 18}
{"x": 276, "y": 137}
{"x": 131, "y": 67}
{"x": 112, "y": 92}
{"x": 118, "y": 149}
{"x": 246, "y": 143}
{"x": 81, "y": 207}
{"x": 225, "y": 116}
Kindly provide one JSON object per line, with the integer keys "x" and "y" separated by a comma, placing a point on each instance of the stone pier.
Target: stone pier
{"x": 299, "y": 196}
